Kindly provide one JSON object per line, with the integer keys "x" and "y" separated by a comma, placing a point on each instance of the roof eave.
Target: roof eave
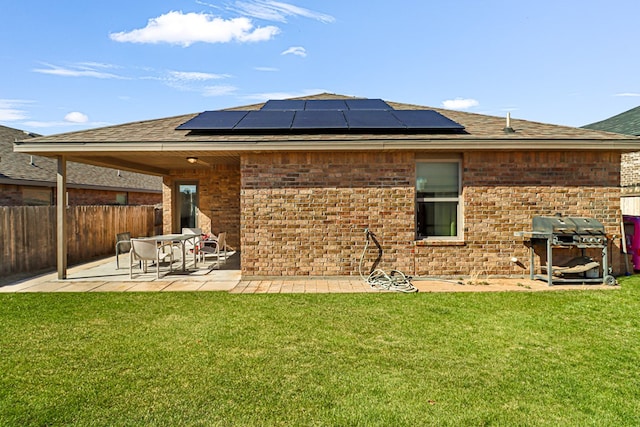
{"x": 54, "y": 149}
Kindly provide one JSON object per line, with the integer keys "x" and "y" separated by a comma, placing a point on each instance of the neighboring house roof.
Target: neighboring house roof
{"x": 627, "y": 123}
{"x": 162, "y": 144}
{"x": 23, "y": 169}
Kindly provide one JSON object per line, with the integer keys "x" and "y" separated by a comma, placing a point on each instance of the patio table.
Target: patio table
{"x": 182, "y": 239}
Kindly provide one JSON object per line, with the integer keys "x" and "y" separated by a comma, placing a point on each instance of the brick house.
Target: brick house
{"x": 31, "y": 180}
{"x": 626, "y": 123}
{"x": 442, "y": 202}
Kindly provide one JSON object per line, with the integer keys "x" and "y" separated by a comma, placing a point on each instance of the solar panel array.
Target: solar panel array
{"x": 332, "y": 115}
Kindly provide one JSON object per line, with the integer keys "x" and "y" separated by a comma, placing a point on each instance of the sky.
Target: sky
{"x": 71, "y": 65}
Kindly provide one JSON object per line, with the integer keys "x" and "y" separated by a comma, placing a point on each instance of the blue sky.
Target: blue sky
{"x": 70, "y": 65}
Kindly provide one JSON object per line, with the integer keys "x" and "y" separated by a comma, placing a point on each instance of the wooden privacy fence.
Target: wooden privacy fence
{"x": 28, "y": 234}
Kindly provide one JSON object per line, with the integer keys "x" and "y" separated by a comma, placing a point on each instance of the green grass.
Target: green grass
{"x": 168, "y": 359}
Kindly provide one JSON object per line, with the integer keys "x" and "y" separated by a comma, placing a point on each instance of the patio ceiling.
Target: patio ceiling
{"x": 155, "y": 163}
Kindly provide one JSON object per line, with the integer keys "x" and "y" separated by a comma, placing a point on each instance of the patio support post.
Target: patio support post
{"x": 61, "y": 217}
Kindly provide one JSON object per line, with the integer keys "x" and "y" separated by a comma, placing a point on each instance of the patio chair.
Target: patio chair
{"x": 145, "y": 250}
{"x": 190, "y": 245}
{"x": 216, "y": 247}
{"x": 123, "y": 245}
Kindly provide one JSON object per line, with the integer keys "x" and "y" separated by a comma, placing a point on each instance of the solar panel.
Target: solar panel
{"x": 367, "y": 104}
{"x": 322, "y": 115}
{"x": 326, "y": 104}
{"x": 425, "y": 119}
{"x": 372, "y": 119}
{"x": 319, "y": 119}
{"x": 213, "y": 120}
{"x": 284, "y": 104}
{"x": 266, "y": 120}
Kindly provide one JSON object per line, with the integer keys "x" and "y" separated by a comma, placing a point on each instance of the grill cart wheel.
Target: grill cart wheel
{"x": 609, "y": 280}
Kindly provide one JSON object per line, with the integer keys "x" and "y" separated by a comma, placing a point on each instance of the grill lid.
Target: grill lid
{"x": 567, "y": 225}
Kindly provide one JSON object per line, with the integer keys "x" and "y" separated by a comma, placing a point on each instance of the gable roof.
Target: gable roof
{"x": 23, "y": 169}
{"x": 161, "y": 144}
{"x": 477, "y": 127}
{"x": 627, "y": 123}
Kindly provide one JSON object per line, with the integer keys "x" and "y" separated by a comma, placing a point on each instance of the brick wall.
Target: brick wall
{"x": 304, "y": 213}
{"x": 140, "y": 199}
{"x": 219, "y": 200}
{"x": 12, "y": 195}
{"x": 79, "y": 197}
{"x": 503, "y": 191}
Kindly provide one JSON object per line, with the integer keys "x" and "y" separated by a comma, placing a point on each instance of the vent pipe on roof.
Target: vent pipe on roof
{"x": 31, "y": 161}
{"x": 508, "y": 128}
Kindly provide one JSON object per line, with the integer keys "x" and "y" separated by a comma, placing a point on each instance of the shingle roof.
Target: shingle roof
{"x": 18, "y": 167}
{"x": 627, "y": 123}
{"x": 477, "y": 127}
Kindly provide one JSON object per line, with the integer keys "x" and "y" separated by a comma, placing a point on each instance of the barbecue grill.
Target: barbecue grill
{"x": 561, "y": 232}
{"x": 581, "y": 232}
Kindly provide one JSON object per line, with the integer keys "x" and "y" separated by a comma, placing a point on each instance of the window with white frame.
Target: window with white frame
{"x": 438, "y": 199}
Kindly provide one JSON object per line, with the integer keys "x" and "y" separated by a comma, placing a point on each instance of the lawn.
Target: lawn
{"x": 170, "y": 359}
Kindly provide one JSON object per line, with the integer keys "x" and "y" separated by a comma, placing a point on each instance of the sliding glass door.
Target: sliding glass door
{"x": 187, "y": 204}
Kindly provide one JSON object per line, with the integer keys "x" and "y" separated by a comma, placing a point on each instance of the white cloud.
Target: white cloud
{"x": 631, "y": 94}
{"x": 187, "y": 28}
{"x": 11, "y": 110}
{"x": 266, "y": 69}
{"x": 220, "y": 90}
{"x": 196, "y": 75}
{"x": 194, "y": 81}
{"x": 63, "y": 123}
{"x": 295, "y": 50}
{"x": 83, "y": 69}
{"x": 460, "y": 103}
{"x": 76, "y": 117}
{"x": 270, "y": 10}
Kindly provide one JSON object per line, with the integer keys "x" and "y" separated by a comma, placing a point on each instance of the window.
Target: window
{"x": 35, "y": 196}
{"x": 122, "y": 198}
{"x": 438, "y": 199}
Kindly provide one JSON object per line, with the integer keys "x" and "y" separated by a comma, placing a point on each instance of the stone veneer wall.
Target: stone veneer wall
{"x": 304, "y": 213}
{"x": 630, "y": 173}
{"x": 219, "y": 200}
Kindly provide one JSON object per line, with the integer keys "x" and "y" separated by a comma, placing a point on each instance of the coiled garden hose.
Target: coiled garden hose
{"x": 378, "y": 279}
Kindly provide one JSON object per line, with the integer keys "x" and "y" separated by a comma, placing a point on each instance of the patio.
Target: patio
{"x": 102, "y": 276}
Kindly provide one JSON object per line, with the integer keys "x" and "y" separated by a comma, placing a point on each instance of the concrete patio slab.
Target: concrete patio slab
{"x": 102, "y": 276}
{"x": 227, "y": 285}
{"x": 113, "y": 287}
{"x": 148, "y": 287}
{"x": 79, "y": 286}
{"x": 183, "y": 286}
